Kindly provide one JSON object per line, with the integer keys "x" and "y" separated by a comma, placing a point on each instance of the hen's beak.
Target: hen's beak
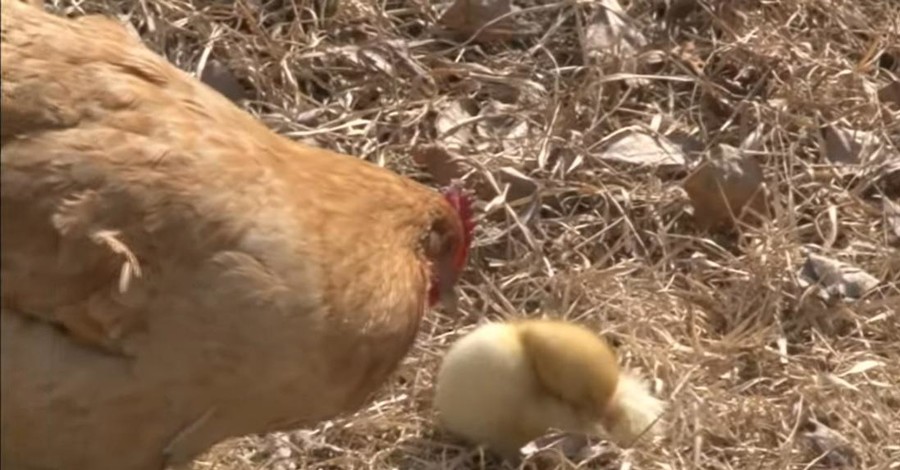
{"x": 449, "y": 300}
{"x": 447, "y": 287}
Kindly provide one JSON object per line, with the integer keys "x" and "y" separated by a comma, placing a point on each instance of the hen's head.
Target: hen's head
{"x": 448, "y": 246}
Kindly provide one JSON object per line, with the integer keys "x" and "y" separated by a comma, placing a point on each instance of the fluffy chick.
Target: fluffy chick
{"x": 505, "y": 384}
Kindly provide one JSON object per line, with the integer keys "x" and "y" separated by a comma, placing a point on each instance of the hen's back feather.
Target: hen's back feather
{"x": 123, "y": 152}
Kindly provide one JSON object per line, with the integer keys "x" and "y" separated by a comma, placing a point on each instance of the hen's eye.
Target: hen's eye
{"x": 436, "y": 244}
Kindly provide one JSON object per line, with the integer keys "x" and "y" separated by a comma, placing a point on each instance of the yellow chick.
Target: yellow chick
{"x": 505, "y": 384}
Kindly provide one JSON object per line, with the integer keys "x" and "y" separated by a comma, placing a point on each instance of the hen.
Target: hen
{"x": 174, "y": 273}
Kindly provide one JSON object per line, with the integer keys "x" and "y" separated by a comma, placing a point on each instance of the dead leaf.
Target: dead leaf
{"x": 890, "y": 93}
{"x": 601, "y": 37}
{"x": 834, "y": 448}
{"x": 515, "y": 135}
{"x": 466, "y": 17}
{"x": 844, "y": 146}
{"x": 441, "y": 159}
{"x": 370, "y": 57}
{"x": 640, "y": 148}
{"x": 452, "y": 127}
{"x": 612, "y": 31}
{"x": 503, "y": 123}
{"x": 220, "y": 78}
{"x": 400, "y": 49}
{"x": 520, "y": 185}
{"x": 723, "y": 186}
{"x": 836, "y": 280}
{"x": 443, "y": 165}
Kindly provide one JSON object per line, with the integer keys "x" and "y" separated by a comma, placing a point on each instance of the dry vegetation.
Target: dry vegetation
{"x": 598, "y": 145}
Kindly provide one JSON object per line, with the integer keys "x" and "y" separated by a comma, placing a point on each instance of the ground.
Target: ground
{"x": 555, "y": 117}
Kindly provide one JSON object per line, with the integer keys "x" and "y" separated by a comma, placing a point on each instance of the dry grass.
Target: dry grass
{"x": 747, "y": 357}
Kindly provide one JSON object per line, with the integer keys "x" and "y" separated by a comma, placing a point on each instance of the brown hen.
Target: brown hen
{"x": 174, "y": 273}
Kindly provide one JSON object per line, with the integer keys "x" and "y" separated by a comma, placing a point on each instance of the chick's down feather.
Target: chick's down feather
{"x": 506, "y": 384}
{"x": 174, "y": 273}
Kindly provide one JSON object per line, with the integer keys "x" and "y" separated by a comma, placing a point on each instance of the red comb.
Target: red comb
{"x": 462, "y": 202}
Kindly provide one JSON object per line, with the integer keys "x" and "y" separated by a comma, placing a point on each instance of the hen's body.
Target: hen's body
{"x": 271, "y": 284}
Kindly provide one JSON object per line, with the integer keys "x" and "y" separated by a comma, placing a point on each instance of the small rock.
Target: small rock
{"x": 723, "y": 186}
{"x": 218, "y": 77}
